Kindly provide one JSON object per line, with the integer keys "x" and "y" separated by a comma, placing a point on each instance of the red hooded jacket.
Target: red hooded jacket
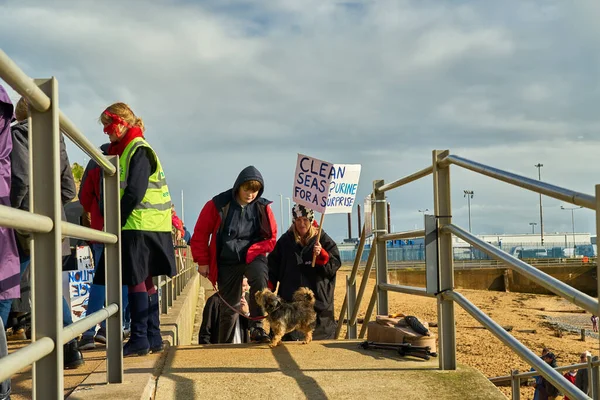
{"x": 204, "y": 240}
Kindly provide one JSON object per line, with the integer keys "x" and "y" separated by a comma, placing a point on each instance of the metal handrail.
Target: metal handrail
{"x": 552, "y": 284}
{"x": 23, "y": 84}
{"x": 44, "y": 113}
{"x": 182, "y": 272}
{"x": 407, "y": 179}
{"x": 24, "y": 220}
{"x": 557, "y": 192}
{"x": 441, "y": 161}
{"x": 418, "y": 233}
{"x": 363, "y": 285}
{"x": 26, "y": 356}
{"x": 85, "y": 145}
{"x": 531, "y": 374}
{"x": 81, "y": 232}
{"x": 26, "y": 87}
{"x": 405, "y": 289}
{"x": 521, "y": 350}
{"x": 70, "y": 332}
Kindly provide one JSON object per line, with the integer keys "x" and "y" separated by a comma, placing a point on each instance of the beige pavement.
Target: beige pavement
{"x": 330, "y": 369}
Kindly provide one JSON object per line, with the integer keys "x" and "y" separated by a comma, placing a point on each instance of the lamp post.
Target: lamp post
{"x": 533, "y": 224}
{"x": 281, "y": 209}
{"x": 572, "y": 209}
{"x": 539, "y": 167}
{"x": 289, "y": 211}
{"x": 424, "y": 211}
{"x": 469, "y": 195}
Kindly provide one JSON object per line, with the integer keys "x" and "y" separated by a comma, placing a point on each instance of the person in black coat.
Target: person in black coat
{"x": 19, "y": 198}
{"x": 209, "y": 329}
{"x": 146, "y": 242}
{"x": 290, "y": 265}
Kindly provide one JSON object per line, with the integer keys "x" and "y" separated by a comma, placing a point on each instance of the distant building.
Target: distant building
{"x": 550, "y": 239}
{"x": 521, "y": 245}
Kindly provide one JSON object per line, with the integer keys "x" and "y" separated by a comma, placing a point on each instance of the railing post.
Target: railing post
{"x": 46, "y": 248}
{"x": 595, "y": 382}
{"x": 164, "y": 295}
{"x": 112, "y": 268}
{"x": 515, "y": 383}
{"x": 169, "y": 290}
{"x": 381, "y": 229}
{"x": 443, "y": 212}
{"x": 351, "y": 290}
{"x": 590, "y": 371}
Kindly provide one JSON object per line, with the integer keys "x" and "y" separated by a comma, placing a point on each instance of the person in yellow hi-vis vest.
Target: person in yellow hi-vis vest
{"x": 147, "y": 247}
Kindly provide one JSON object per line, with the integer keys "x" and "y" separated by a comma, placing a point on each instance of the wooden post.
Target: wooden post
{"x": 506, "y": 281}
{"x": 318, "y": 238}
{"x": 583, "y": 335}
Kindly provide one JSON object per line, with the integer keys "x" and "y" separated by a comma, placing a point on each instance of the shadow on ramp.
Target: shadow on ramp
{"x": 289, "y": 367}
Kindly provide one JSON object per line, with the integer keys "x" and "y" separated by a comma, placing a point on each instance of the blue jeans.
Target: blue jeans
{"x": 5, "y": 310}
{"x": 98, "y": 293}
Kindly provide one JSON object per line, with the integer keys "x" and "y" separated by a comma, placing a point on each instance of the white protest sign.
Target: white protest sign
{"x": 343, "y": 188}
{"x": 85, "y": 260}
{"x": 311, "y": 182}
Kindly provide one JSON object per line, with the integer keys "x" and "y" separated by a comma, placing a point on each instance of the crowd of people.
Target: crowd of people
{"x": 146, "y": 227}
{"x": 234, "y": 243}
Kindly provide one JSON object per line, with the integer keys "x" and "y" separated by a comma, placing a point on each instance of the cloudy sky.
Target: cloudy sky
{"x": 223, "y": 84}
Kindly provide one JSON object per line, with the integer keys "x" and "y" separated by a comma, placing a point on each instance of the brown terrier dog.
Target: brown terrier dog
{"x": 287, "y": 317}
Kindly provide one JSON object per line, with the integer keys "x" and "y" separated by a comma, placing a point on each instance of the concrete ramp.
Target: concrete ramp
{"x": 320, "y": 370}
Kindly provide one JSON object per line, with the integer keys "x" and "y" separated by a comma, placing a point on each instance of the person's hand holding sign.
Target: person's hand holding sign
{"x": 317, "y": 249}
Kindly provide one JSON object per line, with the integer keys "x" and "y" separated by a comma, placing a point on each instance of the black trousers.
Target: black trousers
{"x": 230, "y": 286}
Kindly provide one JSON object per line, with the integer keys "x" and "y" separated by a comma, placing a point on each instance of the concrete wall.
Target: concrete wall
{"x": 580, "y": 277}
{"x": 178, "y": 325}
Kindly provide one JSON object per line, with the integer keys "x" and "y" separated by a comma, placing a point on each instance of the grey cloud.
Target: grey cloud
{"x": 224, "y": 84}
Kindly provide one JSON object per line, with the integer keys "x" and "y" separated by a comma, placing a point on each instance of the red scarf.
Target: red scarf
{"x": 117, "y": 148}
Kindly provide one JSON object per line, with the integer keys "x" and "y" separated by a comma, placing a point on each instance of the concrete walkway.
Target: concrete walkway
{"x": 320, "y": 370}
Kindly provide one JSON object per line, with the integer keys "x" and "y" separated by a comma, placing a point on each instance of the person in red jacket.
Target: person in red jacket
{"x": 233, "y": 234}
{"x": 177, "y": 223}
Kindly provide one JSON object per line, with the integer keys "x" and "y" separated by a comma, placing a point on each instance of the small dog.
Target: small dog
{"x": 286, "y": 317}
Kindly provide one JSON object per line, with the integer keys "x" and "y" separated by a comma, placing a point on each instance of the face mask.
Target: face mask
{"x": 113, "y": 127}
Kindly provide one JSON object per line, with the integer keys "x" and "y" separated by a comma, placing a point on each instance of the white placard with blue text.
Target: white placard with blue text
{"x": 311, "y": 182}
{"x": 343, "y": 188}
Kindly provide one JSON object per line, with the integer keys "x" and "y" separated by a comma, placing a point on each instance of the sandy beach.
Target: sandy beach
{"x": 479, "y": 348}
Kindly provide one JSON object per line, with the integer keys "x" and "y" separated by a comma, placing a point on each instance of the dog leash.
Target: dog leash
{"x": 236, "y": 310}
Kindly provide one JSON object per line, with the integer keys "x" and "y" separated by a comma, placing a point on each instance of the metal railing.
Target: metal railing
{"x": 47, "y": 231}
{"x": 171, "y": 288}
{"x": 439, "y": 265}
{"x": 592, "y": 365}
{"x": 46, "y": 122}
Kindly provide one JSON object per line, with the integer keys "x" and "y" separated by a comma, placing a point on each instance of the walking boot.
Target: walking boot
{"x": 154, "y": 336}
{"x": 138, "y": 344}
{"x": 72, "y": 357}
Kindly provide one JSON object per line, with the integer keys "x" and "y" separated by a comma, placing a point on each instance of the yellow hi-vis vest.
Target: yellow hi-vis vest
{"x": 154, "y": 212}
